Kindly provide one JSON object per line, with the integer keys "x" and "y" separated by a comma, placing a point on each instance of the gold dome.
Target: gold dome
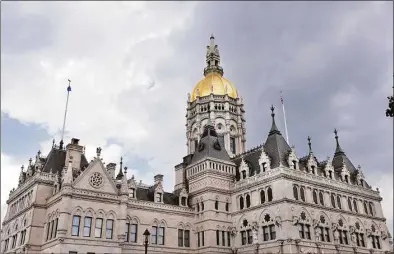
{"x": 213, "y": 81}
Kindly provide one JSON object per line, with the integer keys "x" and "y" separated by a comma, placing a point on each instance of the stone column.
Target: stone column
{"x": 121, "y": 221}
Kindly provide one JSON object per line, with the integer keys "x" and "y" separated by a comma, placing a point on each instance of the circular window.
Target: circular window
{"x": 96, "y": 180}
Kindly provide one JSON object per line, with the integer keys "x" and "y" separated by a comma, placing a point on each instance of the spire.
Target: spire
{"x": 310, "y": 145}
{"x": 65, "y": 114}
{"x": 274, "y": 129}
{"x": 338, "y": 149}
{"x": 213, "y": 58}
{"x": 120, "y": 174}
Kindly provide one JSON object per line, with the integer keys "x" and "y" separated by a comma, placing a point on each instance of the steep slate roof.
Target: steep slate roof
{"x": 276, "y": 146}
{"x": 147, "y": 194}
{"x": 55, "y": 161}
{"x": 211, "y": 145}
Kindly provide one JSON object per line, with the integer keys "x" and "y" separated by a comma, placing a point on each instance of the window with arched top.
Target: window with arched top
{"x": 262, "y": 196}
{"x": 339, "y": 203}
{"x": 321, "y": 198}
{"x": 241, "y": 203}
{"x": 375, "y": 238}
{"x": 349, "y": 204}
{"x": 371, "y": 209}
{"x": 246, "y": 233}
{"x": 295, "y": 192}
{"x": 323, "y": 229}
{"x": 269, "y": 230}
{"x": 269, "y": 194}
{"x": 355, "y": 205}
{"x": 333, "y": 200}
{"x": 365, "y": 207}
{"x": 132, "y": 230}
{"x": 315, "y": 196}
{"x": 216, "y": 205}
{"x": 247, "y": 200}
{"x": 342, "y": 232}
{"x": 302, "y": 193}
{"x": 304, "y": 227}
{"x": 358, "y": 234}
{"x": 198, "y": 207}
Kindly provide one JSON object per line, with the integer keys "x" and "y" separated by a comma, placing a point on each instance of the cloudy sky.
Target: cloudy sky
{"x": 132, "y": 65}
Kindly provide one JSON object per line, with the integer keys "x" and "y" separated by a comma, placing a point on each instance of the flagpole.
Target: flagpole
{"x": 284, "y": 115}
{"x": 65, "y": 112}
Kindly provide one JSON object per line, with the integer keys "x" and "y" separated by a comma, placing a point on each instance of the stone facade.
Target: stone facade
{"x": 225, "y": 200}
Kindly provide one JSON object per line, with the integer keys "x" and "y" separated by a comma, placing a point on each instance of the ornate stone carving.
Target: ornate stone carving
{"x": 278, "y": 221}
{"x": 295, "y": 220}
{"x": 96, "y": 180}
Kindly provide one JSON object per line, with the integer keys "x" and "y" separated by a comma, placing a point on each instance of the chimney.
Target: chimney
{"x": 111, "y": 169}
{"x": 158, "y": 178}
{"x": 75, "y": 151}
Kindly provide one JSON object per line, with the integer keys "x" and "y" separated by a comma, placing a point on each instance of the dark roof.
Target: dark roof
{"x": 211, "y": 145}
{"x": 55, "y": 161}
{"x": 147, "y": 194}
{"x": 251, "y": 158}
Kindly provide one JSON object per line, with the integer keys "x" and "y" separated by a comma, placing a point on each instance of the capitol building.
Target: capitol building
{"x": 226, "y": 199}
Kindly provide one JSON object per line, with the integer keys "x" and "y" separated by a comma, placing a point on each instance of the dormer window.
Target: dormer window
{"x": 132, "y": 193}
{"x": 183, "y": 201}
{"x": 361, "y": 182}
{"x": 243, "y": 174}
{"x": 159, "y": 197}
{"x": 346, "y": 178}
{"x": 330, "y": 174}
{"x": 313, "y": 169}
{"x": 264, "y": 164}
{"x": 294, "y": 164}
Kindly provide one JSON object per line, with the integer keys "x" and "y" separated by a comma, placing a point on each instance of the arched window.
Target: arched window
{"x": 375, "y": 238}
{"x": 359, "y": 234}
{"x": 246, "y": 233}
{"x": 262, "y": 196}
{"x": 339, "y": 204}
{"x": 342, "y": 233}
{"x": 202, "y": 206}
{"x": 198, "y": 207}
{"x": 371, "y": 209}
{"x": 302, "y": 192}
{"x": 315, "y": 196}
{"x": 324, "y": 230}
{"x": 295, "y": 192}
{"x": 216, "y": 205}
{"x": 349, "y": 203}
{"x": 304, "y": 227}
{"x": 269, "y": 231}
{"x": 333, "y": 200}
{"x": 247, "y": 200}
{"x": 269, "y": 192}
{"x": 227, "y": 207}
{"x": 365, "y": 207}
{"x": 355, "y": 205}
{"x": 241, "y": 202}
{"x": 321, "y": 198}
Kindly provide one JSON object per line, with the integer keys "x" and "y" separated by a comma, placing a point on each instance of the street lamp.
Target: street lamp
{"x": 146, "y": 234}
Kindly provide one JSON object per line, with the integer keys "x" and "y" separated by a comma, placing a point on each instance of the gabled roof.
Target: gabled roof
{"x": 147, "y": 194}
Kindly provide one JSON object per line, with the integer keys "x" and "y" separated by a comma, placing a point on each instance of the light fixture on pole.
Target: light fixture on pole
{"x": 146, "y": 234}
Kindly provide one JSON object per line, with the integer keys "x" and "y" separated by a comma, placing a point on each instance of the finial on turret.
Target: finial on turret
{"x": 338, "y": 149}
{"x": 310, "y": 145}
{"x": 53, "y": 143}
{"x": 120, "y": 174}
{"x": 125, "y": 170}
{"x": 30, "y": 160}
{"x": 212, "y": 37}
{"x": 274, "y": 128}
{"x": 22, "y": 167}
{"x": 61, "y": 145}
